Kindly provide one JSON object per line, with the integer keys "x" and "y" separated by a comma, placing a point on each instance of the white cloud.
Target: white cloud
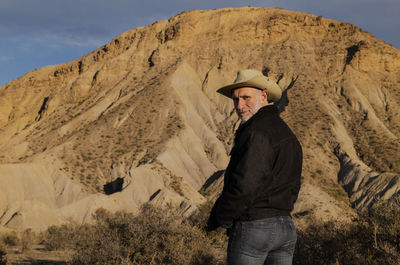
{"x": 59, "y": 40}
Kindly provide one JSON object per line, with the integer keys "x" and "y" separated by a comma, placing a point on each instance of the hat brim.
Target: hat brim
{"x": 259, "y": 82}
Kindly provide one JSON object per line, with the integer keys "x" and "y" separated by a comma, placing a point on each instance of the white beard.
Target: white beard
{"x": 252, "y": 111}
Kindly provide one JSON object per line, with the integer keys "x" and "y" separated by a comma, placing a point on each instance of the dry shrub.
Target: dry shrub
{"x": 155, "y": 236}
{"x": 218, "y": 238}
{"x": 372, "y": 239}
{"x": 384, "y": 221}
{"x": 62, "y": 237}
{"x": 27, "y": 239}
{"x": 3, "y": 254}
{"x": 10, "y": 238}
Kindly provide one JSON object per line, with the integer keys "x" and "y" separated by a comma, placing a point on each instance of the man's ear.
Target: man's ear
{"x": 264, "y": 96}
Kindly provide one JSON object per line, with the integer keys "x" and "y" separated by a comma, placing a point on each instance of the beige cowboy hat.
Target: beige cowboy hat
{"x": 256, "y": 79}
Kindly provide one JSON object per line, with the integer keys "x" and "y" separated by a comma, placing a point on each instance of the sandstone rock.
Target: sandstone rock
{"x": 143, "y": 108}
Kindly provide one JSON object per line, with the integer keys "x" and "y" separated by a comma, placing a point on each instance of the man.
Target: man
{"x": 262, "y": 179}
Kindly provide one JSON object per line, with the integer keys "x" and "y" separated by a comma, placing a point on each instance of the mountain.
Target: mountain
{"x": 141, "y": 116}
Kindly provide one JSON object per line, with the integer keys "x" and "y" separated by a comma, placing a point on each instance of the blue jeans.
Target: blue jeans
{"x": 262, "y": 242}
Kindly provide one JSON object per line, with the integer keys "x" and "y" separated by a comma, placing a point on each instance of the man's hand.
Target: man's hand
{"x": 212, "y": 223}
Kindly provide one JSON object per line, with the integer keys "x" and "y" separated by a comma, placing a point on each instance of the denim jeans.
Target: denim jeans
{"x": 266, "y": 241}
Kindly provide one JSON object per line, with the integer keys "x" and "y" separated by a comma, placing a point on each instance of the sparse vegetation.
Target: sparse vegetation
{"x": 331, "y": 188}
{"x": 9, "y": 238}
{"x": 27, "y": 238}
{"x": 62, "y": 237}
{"x": 155, "y": 236}
{"x": 3, "y": 254}
{"x": 378, "y": 151}
{"x": 176, "y": 184}
{"x": 371, "y": 239}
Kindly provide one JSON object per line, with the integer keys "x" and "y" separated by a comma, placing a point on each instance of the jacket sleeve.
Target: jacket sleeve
{"x": 248, "y": 176}
{"x": 212, "y": 222}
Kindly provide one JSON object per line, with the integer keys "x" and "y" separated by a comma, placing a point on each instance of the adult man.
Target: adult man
{"x": 262, "y": 179}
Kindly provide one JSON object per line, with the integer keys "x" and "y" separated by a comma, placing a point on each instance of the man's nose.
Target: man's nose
{"x": 240, "y": 103}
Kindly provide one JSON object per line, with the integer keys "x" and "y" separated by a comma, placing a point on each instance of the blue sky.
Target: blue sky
{"x": 36, "y": 33}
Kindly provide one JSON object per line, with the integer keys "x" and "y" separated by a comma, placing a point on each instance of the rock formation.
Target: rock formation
{"x": 143, "y": 109}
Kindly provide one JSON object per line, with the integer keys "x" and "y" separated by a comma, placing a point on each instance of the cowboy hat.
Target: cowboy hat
{"x": 255, "y": 79}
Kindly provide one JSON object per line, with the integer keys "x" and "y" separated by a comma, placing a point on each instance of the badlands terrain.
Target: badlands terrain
{"x": 141, "y": 112}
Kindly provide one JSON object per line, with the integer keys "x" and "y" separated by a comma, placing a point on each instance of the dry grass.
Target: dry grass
{"x": 3, "y": 254}
{"x": 376, "y": 149}
{"x": 154, "y": 237}
{"x": 372, "y": 239}
{"x": 162, "y": 236}
{"x": 9, "y": 238}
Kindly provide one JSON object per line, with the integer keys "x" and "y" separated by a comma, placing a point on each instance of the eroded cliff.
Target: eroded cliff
{"x": 143, "y": 108}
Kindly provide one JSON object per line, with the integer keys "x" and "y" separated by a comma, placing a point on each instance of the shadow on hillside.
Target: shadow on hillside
{"x": 114, "y": 186}
{"x": 214, "y": 177}
{"x": 284, "y": 101}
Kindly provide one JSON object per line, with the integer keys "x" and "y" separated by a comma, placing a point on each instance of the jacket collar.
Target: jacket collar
{"x": 260, "y": 114}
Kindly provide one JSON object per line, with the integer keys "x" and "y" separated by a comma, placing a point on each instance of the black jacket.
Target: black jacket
{"x": 263, "y": 175}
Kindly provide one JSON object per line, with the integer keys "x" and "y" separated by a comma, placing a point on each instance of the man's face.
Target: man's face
{"x": 248, "y": 101}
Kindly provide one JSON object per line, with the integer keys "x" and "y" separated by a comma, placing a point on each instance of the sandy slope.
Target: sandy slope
{"x": 143, "y": 107}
